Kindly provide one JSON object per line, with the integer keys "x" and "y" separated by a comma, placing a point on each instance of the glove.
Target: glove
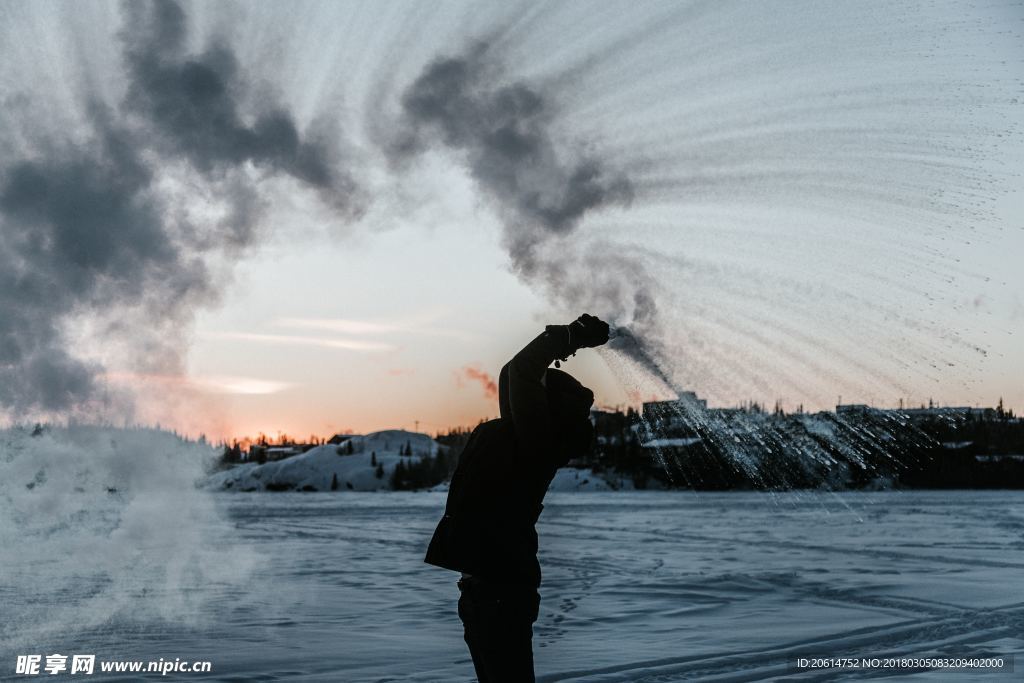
{"x": 587, "y": 331}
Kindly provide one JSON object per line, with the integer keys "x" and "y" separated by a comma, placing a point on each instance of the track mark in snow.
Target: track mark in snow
{"x": 935, "y": 636}
{"x": 931, "y": 560}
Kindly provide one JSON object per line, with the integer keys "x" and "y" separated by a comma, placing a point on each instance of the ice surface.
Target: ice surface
{"x": 638, "y": 586}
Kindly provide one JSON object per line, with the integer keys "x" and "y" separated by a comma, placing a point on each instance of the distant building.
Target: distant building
{"x": 282, "y": 452}
{"x": 680, "y": 442}
{"x": 668, "y": 412}
{"x": 849, "y": 409}
{"x": 607, "y": 420}
{"x": 956, "y": 412}
{"x": 921, "y": 414}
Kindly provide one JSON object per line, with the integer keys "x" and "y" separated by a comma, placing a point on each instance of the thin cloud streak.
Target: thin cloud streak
{"x": 214, "y": 384}
{"x": 245, "y": 386}
{"x": 342, "y": 325}
{"x": 297, "y": 340}
{"x": 349, "y": 326}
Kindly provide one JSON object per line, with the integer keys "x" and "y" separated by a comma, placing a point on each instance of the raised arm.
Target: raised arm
{"x": 521, "y": 393}
{"x": 527, "y": 400}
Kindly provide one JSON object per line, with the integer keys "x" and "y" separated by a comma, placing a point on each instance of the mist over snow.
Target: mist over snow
{"x": 115, "y": 513}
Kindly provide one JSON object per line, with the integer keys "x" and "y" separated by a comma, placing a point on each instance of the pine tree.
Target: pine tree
{"x": 334, "y": 482}
{"x": 398, "y": 476}
{"x": 373, "y": 458}
{"x": 379, "y": 472}
{"x": 439, "y": 468}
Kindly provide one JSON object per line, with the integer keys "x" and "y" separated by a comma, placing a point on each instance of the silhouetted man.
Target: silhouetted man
{"x": 487, "y": 531}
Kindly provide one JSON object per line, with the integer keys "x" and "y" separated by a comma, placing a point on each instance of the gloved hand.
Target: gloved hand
{"x": 587, "y": 331}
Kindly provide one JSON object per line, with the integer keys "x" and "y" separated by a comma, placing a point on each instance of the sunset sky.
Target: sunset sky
{"x": 236, "y": 218}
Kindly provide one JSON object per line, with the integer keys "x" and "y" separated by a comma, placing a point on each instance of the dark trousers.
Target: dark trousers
{"x": 498, "y": 622}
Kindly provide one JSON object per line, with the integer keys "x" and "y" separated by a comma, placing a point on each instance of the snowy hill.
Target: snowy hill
{"x": 350, "y": 465}
{"x": 354, "y": 467}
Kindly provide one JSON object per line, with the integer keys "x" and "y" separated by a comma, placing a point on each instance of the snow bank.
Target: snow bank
{"x": 578, "y": 480}
{"x": 568, "y": 479}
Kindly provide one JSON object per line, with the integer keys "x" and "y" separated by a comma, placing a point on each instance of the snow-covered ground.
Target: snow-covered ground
{"x": 638, "y": 586}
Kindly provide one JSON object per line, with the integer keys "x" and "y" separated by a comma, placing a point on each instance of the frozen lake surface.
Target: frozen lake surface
{"x": 639, "y": 586}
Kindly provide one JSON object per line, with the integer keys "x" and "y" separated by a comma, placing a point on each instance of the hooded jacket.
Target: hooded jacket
{"x": 497, "y": 489}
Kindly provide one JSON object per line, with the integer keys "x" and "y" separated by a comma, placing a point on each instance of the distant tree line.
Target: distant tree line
{"x": 753, "y": 448}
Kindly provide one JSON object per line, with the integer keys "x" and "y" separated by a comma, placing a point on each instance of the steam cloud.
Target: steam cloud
{"x": 193, "y": 103}
{"x": 88, "y": 230}
{"x": 80, "y": 228}
{"x": 544, "y": 188}
{"x": 504, "y": 133}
